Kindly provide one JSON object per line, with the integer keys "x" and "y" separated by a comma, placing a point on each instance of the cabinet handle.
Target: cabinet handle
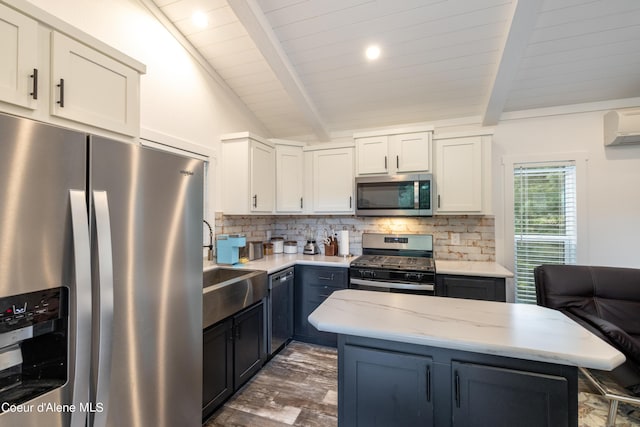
{"x": 255, "y": 200}
{"x": 428, "y": 383}
{"x": 326, "y": 278}
{"x": 385, "y": 162}
{"x": 237, "y": 332}
{"x": 34, "y": 76}
{"x": 397, "y": 162}
{"x": 438, "y": 200}
{"x": 300, "y": 202}
{"x": 457, "y": 390}
{"x": 61, "y": 86}
{"x": 350, "y": 201}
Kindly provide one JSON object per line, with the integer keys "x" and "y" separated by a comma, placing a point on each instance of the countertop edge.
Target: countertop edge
{"x": 472, "y": 268}
{"x": 277, "y": 262}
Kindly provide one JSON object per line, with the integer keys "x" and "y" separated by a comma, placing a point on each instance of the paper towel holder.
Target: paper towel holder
{"x": 343, "y": 243}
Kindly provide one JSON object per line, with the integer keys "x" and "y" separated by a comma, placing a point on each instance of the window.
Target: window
{"x": 545, "y": 226}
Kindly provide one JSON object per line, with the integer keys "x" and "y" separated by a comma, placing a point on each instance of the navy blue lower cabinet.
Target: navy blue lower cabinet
{"x": 507, "y": 397}
{"x": 233, "y": 351}
{"x": 471, "y": 287}
{"x": 386, "y": 388}
{"x": 248, "y": 341}
{"x": 217, "y": 374}
{"x": 388, "y": 383}
{"x": 313, "y": 285}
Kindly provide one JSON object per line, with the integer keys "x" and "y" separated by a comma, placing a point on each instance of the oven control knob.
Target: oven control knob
{"x": 416, "y": 277}
{"x": 369, "y": 274}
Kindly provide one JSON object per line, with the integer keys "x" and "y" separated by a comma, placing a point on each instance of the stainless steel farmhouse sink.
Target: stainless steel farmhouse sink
{"x": 225, "y": 291}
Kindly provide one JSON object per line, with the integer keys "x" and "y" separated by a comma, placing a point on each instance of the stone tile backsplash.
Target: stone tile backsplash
{"x": 476, "y": 234}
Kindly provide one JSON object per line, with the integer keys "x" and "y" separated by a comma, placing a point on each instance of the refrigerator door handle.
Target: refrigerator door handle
{"x": 105, "y": 296}
{"x": 81, "y": 304}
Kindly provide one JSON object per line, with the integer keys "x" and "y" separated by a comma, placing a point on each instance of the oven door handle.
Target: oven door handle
{"x": 393, "y": 285}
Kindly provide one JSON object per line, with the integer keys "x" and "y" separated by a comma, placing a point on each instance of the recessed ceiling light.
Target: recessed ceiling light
{"x": 200, "y": 19}
{"x": 373, "y": 52}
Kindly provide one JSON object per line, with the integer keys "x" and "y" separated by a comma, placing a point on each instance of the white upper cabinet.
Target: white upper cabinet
{"x": 63, "y": 76}
{"x": 289, "y": 178}
{"x": 90, "y": 87}
{"x": 372, "y": 155}
{"x": 248, "y": 173}
{"x": 463, "y": 174}
{"x": 262, "y": 172}
{"x": 19, "y": 64}
{"x": 412, "y": 152}
{"x": 399, "y": 152}
{"x": 333, "y": 180}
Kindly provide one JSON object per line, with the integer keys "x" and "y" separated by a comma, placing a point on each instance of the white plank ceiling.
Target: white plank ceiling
{"x": 299, "y": 65}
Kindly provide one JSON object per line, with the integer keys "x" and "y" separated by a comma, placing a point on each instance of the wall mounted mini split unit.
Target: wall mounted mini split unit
{"x": 622, "y": 127}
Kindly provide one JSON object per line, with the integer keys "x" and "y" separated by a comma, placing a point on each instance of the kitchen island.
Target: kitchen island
{"x": 418, "y": 360}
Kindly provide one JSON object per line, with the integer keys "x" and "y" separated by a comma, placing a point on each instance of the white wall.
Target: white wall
{"x": 612, "y": 183}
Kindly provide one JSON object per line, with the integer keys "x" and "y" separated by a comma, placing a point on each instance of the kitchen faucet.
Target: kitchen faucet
{"x": 210, "y": 245}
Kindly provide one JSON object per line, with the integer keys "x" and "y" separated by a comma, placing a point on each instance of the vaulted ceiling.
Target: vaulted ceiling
{"x": 299, "y": 65}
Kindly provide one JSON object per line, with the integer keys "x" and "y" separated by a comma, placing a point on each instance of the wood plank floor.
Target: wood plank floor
{"x": 298, "y": 387}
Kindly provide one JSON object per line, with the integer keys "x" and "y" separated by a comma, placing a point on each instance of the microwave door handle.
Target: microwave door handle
{"x": 416, "y": 195}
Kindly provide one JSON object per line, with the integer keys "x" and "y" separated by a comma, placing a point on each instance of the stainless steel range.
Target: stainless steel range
{"x": 395, "y": 263}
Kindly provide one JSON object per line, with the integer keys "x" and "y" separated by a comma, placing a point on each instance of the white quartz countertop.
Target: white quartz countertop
{"x": 521, "y": 331}
{"x": 472, "y": 268}
{"x": 276, "y": 262}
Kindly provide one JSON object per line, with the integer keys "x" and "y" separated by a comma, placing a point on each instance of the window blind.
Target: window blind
{"x": 545, "y": 221}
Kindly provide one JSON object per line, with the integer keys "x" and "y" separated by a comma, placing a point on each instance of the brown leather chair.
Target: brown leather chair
{"x": 606, "y": 301}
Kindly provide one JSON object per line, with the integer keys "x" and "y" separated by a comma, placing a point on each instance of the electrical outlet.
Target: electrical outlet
{"x": 455, "y": 238}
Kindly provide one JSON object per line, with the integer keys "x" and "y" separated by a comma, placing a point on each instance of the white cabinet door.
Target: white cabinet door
{"x": 372, "y": 155}
{"x": 333, "y": 180}
{"x": 289, "y": 178}
{"x": 262, "y": 170}
{"x": 92, "y": 88}
{"x": 19, "y": 53}
{"x": 411, "y": 152}
{"x": 459, "y": 174}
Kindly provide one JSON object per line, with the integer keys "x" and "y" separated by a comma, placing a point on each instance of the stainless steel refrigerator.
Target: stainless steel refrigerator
{"x": 100, "y": 281}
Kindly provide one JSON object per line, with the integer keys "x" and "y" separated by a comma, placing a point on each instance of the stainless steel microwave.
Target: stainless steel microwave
{"x": 395, "y": 195}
